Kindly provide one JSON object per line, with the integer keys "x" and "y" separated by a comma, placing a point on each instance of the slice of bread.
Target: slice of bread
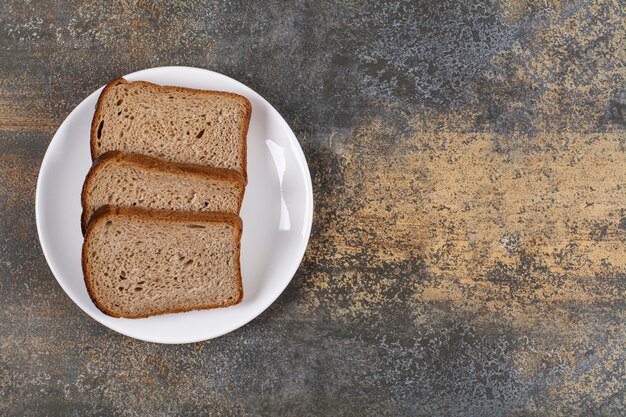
{"x": 139, "y": 262}
{"x": 123, "y": 180}
{"x": 173, "y": 123}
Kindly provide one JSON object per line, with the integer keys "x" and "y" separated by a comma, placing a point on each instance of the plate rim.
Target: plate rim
{"x": 308, "y": 209}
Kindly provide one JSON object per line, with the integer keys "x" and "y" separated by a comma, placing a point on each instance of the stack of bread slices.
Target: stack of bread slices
{"x": 161, "y": 201}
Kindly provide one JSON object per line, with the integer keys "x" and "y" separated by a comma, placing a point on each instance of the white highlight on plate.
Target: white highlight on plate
{"x": 278, "y": 154}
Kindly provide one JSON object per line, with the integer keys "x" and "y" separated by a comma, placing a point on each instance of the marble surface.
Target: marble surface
{"x": 468, "y": 254}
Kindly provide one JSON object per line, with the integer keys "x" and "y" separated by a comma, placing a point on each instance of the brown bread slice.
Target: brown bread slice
{"x": 122, "y": 180}
{"x": 172, "y": 123}
{"x": 139, "y": 262}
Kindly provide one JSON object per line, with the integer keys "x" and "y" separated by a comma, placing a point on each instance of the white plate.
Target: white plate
{"x": 277, "y": 213}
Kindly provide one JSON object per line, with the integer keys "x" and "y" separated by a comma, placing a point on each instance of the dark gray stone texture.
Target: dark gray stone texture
{"x": 468, "y": 254}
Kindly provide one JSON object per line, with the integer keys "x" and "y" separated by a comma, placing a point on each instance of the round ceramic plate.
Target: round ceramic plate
{"x": 277, "y": 213}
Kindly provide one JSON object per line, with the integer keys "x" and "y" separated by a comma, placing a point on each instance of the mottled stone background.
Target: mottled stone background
{"x": 468, "y": 254}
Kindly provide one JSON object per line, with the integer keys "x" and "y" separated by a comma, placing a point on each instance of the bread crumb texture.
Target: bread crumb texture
{"x": 180, "y": 125}
{"x": 141, "y": 266}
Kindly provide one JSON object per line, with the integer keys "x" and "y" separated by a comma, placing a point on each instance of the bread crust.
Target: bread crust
{"x": 156, "y": 165}
{"x": 121, "y": 80}
{"x": 105, "y": 213}
{"x": 96, "y": 115}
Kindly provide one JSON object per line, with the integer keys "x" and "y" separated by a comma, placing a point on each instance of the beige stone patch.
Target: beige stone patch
{"x": 536, "y": 223}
